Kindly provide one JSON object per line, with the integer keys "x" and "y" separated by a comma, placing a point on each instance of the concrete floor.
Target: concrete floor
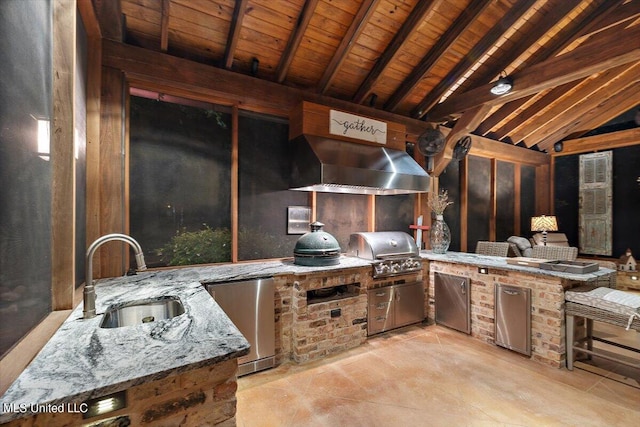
{"x": 434, "y": 376}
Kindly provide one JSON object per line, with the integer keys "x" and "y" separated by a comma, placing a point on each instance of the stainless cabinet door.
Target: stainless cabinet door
{"x": 250, "y": 306}
{"x": 513, "y": 318}
{"x": 453, "y": 302}
{"x": 409, "y": 303}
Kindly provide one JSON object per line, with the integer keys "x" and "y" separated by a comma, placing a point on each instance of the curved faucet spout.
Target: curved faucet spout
{"x": 89, "y": 294}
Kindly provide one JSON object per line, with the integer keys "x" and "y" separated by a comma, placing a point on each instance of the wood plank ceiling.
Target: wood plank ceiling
{"x": 575, "y": 63}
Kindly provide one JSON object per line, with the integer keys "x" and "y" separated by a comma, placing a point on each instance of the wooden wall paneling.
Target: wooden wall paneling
{"x": 493, "y": 200}
{"x": 464, "y": 203}
{"x": 111, "y": 184}
{"x": 552, "y": 187}
{"x": 234, "y": 184}
{"x": 126, "y": 226}
{"x": 63, "y": 156}
{"x": 94, "y": 79}
{"x": 371, "y": 214}
{"x": 517, "y": 197}
{"x": 543, "y": 190}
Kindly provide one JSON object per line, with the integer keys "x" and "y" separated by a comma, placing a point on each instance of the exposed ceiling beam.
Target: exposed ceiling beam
{"x": 589, "y": 58}
{"x": 602, "y": 109}
{"x": 160, "y": 72}
{"x": 466, "y": 18}
{"x": 359, "y": 21}
{"x": 586, "y": 26}
{"x": 615, "y": 16}
{"x": 507, "y": 58}
{"x": 89, "y": 18}
{"x": 559, "y": 111}
{"x": 623, "y": 138}
{"x": 478, "y": 51}
{"x": 109, "y": 15}
{"x": 416, "y": 17}
{"x": 465, "y": 125}
{"x": 295, "y": 39}
{"x": 164, "y": 26}
{"x": 234, "y": 32}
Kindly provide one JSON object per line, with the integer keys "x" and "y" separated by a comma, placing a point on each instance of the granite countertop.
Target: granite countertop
{"x": 83, "y": 361}
{"x": 501, "y": 263}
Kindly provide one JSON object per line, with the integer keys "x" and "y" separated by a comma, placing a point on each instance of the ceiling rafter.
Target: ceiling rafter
{"x": 507, "y": 58}
{"x": 585, "y": 27}
{"x": 466, "y": 18}
{"x": 416, "y": 17}
{"x": 353, "y": 49}
{"x": 234, "y": 32}
{"x": 607, "y": 104}
{"x": 623, "y": 138}
{"x": 589, "y": 58}
{"x": 478, "y": 51}
{"x": 557, "y": 108}
{"x": 295, "y": 39}
{"x": 360, "y": 20}
{"x": 164, "y": 26}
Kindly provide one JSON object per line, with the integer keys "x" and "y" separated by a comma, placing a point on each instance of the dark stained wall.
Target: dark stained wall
{"x": 625, "y": 204}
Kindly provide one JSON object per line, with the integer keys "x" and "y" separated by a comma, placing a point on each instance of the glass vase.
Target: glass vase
{"x": 439, "y": 236}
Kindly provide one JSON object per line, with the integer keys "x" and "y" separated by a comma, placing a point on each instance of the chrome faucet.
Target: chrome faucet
{"x": 89, "y": 294}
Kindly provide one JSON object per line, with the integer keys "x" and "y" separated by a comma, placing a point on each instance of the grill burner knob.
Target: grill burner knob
{"x": 395, "y": 267}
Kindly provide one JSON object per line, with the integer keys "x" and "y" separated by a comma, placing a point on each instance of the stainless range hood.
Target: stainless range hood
{"x": 330, "y": 165}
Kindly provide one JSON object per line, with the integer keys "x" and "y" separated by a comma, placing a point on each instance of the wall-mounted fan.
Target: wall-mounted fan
{"x": 431, "y": 142}
{"x": 462, "y": 148}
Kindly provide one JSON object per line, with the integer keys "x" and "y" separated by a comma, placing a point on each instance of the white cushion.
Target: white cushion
{"x": 619, "y": 302}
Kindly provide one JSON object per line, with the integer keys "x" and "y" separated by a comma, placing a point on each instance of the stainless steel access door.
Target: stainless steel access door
{"x": 453, "y": 302}
{"x": 513, "y": 318}
{"x": 250, "y": 306}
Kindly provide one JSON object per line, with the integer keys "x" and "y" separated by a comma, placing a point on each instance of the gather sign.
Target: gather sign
{"x": 365, "y": 128}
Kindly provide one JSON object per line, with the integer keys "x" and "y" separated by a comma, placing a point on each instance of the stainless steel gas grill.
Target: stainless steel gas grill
{"x": 392, "y": 252}
{"x": 396, "y": 297}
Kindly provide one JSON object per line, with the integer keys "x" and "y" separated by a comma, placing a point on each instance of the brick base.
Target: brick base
{"x": 201, "y": 397}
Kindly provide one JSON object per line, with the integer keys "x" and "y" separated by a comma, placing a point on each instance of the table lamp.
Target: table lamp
{"x": 544, "y": 223}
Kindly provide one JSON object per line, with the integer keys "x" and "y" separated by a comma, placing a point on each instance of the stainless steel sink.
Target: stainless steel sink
{"x": 139, "y": 312}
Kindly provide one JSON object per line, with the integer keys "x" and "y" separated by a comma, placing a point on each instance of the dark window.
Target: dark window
{"x": 180, "y": 181}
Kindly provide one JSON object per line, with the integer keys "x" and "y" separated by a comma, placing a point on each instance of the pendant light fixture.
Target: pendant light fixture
{"x": 503, "y": 85}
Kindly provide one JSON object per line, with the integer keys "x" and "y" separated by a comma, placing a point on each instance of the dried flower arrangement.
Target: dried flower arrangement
{"x": 440, "y": 202}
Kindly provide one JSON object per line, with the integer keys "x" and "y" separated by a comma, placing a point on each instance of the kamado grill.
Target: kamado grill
{"x": 392, "y": 252}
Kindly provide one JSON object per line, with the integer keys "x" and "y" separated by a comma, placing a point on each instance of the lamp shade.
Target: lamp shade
{"x": 544, "y": 223}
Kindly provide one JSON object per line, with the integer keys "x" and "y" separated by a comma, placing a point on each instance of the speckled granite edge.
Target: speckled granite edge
{"x": 501, "y": 263}
{"x": 83, "y": 361}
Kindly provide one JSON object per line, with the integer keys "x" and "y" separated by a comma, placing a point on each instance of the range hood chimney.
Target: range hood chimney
{"x": 335, "y": 166}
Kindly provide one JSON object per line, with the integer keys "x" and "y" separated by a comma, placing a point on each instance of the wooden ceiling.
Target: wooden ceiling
{"x": 575, "y": 64}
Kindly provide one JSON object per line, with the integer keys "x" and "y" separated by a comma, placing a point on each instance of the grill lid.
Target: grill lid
{"x": 316, "y": 248}
{"x": 381, "y": 244}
